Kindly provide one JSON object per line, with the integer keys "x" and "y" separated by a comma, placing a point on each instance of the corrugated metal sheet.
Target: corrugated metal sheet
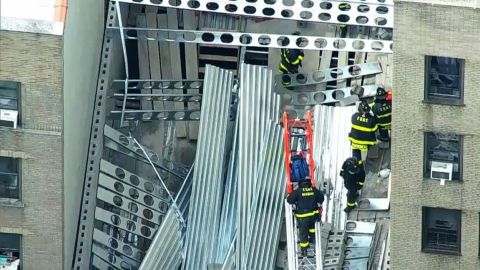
{"x": 207, "y": 189}
{"x": 331, "y": 147}
{"x": 257, "y": 106}
{"x": 165, "y": 252}
{"x": 267, "y": 208}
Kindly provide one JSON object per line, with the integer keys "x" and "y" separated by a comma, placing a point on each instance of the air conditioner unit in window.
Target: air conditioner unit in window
{"x": 441, "y": 170}
{"x": 10, "y": 117}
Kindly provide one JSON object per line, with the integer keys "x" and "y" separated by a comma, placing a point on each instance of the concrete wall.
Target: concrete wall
{"x": 82, "y": 46}
{"x": 35, "y": 60}
{"x": 420, "y": 30}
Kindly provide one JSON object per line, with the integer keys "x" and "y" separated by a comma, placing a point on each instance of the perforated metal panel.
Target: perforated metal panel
{"x": 366, "y": 14}
{"x": 303, "y": 98}
{"x": 331, "y": 74}
{"x": 257, "y": 40}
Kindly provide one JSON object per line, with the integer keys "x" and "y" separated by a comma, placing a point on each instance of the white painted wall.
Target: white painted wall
{"x": 83, "y": 39}
{"x": 28, "y": 9}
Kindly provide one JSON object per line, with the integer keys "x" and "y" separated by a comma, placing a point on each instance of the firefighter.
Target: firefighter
{"x": 290, "y": 60}
{"x": 353, "y": 174}
{"x": 382, "y": 108}
{"x": 343, "y": 18}
{"x": 308, "y": 201}
{"x": 364, "y": 127}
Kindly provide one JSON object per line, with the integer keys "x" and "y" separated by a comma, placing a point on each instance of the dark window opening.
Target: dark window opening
{"x": 443, "y": 149}
{"x": 10, "y": 100}
{"x": 444, "y": 80}
{"x": 441, "y": 230}
{"x": 10, "y": 251}
{"x": 9, "y": 178}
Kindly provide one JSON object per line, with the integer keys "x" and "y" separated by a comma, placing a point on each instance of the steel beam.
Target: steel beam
{"x": 303, "y": 98}
{"x": 83, "y": 244}
{"x": 257, "y": 40}
{"x": 165, "y": 115}
{"x": 362, "y": 14}
{"x": 331, "y": 74}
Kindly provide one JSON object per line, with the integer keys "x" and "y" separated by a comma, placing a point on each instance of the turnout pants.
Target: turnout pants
{"x": 352, "y": 195}
{"x": 306, "y": 230}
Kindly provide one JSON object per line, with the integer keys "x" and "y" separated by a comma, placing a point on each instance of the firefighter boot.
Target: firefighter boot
{"x": 349, "y": 208}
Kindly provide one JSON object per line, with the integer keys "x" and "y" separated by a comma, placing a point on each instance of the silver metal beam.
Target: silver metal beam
{"x": 360, "y": 227}
{"x": 117, "y": 245}
{"x": 303, "y": 98}
{"x": 331, "y": 74}
{"x": 256, "y": 108}
{"x": 177, "y": 170}
{"x": 311, "y": 11}
{"x": 165, "y": 115}
{"x": 157, "y": 84}
{"x": 124, "y": 223}
{"x": 82, "y": 256}
{"x": 258, "y": 40}
{"x": 165, "y": 251}
{"x": 267, "y": 207}
{"x": 163, "y": 97}
{"x": 113, "y": 259}
{"x": 207, "y": 189}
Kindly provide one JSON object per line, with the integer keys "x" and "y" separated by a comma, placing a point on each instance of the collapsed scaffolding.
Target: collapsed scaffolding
{"x": 238, "y": 180}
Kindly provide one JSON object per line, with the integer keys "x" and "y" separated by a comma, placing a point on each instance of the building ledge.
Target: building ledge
{"x": 31, "y": 26}
{"x": 456, "y": 3}
{"x": 11, "y": 203}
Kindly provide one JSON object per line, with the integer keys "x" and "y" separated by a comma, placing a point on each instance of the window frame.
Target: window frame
{"x": 428, "y": 98}
{"x": 19, "y": 180}
{"x": 426, "y": 174}
{"x": 434, "y": 250}
{"x": 20, "y": 245}
{"x": 17, "y": 86}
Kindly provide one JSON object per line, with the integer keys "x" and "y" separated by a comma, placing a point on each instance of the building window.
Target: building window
{"x": 9, "y": 178}
{"x": 10, "y": 249}
{"x": 444, "y": 80}
{"x": 441, "y": 230}
{"x": 10, "y": 100}
{"x": 443, "y": 153}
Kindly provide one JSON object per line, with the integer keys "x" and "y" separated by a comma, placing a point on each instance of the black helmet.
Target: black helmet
{"x": 381, "y": 93}
{"x": 351, "y": 165}
{"x": 363, "y": 107}
{"x": 305, "y": 182}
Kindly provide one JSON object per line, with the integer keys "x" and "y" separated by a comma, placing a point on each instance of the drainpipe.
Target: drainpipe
{"x": 60, "y": 10}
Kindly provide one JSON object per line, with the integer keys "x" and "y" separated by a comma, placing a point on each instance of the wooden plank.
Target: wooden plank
{"x": 175, "y": 64}
{"x": 342, "y": 61}
{"x": 371, "y": 79}
{"x": 325, "y": 62}
{"x": 191, "y": 67}
{"x": 143, "y": 63}
{"x": 135, "y": 10}
{"x": 154, "y": 57}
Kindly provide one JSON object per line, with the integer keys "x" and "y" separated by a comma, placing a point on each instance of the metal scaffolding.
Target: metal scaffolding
{"x": 207, "y": 189}
{"x": 372, "y": 13}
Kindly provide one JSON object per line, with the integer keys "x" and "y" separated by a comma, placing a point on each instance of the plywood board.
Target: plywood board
{"x": 154, "y": 57}
{"x": 191, "y": 66}
{"x": 176, "y": 68}
{"x": 143, "y": 62}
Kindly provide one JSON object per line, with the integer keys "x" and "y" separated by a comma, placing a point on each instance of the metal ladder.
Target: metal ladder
{"x": 295, "y": 260}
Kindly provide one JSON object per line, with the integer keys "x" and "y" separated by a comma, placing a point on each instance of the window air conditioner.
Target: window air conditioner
{"x": 441, "y": 170}
{"x": 9, "y": 116}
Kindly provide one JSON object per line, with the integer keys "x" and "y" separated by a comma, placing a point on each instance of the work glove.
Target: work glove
{"x": 319, "y": 216}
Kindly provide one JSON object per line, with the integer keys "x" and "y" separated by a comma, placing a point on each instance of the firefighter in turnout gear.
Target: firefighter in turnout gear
{"x": 364, "y": 127}
{"x": 343, "y": 18}
{"x": 290, "y": 60}
{"x": 382, "y": 108}
{"x": 308, "y": 201}
{"x": 353, "y": 175}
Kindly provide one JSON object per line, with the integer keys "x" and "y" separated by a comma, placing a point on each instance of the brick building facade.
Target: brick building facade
{"x": 36, "y": 62}
{"x": 436, "y": 78}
